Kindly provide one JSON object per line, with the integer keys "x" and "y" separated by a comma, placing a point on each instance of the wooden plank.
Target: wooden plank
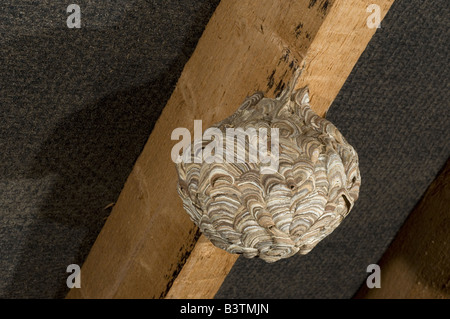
{"x": 332, "y": 51}
{"x": 247, "y": 46}
{"x": 203, "y": 273}
{"x": 417, "y": 263}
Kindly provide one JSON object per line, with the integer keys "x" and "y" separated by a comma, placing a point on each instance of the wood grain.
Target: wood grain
{"x": 417, "y": 263}
{"x": 247, "y": 46}
{"x": 199, "y": 276}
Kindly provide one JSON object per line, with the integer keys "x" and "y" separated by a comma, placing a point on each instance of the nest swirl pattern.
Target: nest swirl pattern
{"x": 277, "y": 215}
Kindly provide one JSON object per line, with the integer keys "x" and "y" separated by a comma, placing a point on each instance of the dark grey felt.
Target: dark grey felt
{"x": 394, "y": 109}
{"x": 77, "y": 106}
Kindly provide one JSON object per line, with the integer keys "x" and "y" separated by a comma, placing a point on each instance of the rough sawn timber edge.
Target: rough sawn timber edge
{"x": 147, "y": 248}
{"x": 417, "y": 263}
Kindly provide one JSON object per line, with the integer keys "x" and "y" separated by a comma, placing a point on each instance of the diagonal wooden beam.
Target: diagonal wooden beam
{"x": 148, "y": 247}
{"x": 417, "y": 263}
{"x": 333, "y": 41}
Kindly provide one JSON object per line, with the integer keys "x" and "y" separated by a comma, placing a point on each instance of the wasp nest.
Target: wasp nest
{"x": 278, "y": 212}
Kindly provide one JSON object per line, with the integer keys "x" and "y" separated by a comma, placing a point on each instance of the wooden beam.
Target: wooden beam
{"x": 417, "y": 263}
{"x": 247, "y": 46}
{"x": 203, "y": 273}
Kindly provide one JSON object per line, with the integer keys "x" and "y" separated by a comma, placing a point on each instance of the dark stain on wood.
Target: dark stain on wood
{"x": 324, "y": 7}
{"x": 298, "y": 30}
{"x": 311, "y": 3}
{"x": 279, "y": 89}
{"x": 185, "y": 253}
{"x": 291, "y": 65}
{"x": 308, "y": 36}
{"x": 281, "y": 85}
{"x": 271, "y": 80}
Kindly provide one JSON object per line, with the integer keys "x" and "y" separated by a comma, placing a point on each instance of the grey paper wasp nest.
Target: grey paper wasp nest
{"x": 271, "y": 211}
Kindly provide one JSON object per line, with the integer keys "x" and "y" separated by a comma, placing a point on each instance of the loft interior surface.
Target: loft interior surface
{"x": 78, "y": 107}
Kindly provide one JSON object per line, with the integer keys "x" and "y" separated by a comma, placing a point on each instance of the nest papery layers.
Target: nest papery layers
{"x": 243, "y": 209}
